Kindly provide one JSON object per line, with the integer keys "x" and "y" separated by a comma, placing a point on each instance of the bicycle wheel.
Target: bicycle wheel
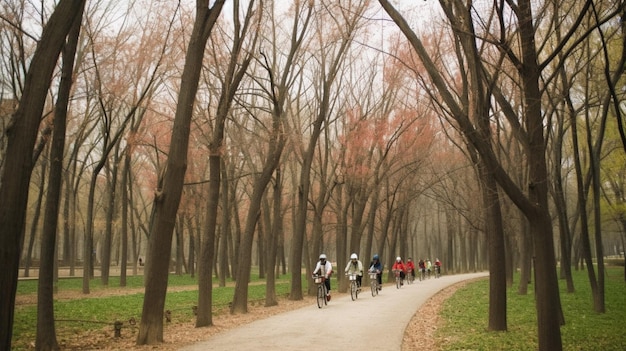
{"x": 374, "y": 287}
{"x": 353, "y": 291}
{"x": 398, "y": 282}
{"x": 321, "y": 295}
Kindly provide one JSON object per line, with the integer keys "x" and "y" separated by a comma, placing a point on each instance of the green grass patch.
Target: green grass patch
{"x": 466, "y": 318}
{"x": 93, "y": 313}
{"x": 29, "y": 286}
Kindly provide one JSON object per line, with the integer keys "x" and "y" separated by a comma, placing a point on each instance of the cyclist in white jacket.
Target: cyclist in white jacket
{"x": 324, "y": 268}
{"x": 355, "y": 266}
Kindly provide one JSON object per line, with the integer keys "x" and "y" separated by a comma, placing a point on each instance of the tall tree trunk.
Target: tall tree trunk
{"x": 272, "y": 162}
{"x": 273, "y": 234}
{"x": 124, "y": 189}
{"x": 17, "y": 168}
{"x": 167, "y": 198}
{"x": 205, "y": 281}
{"x": 46, "y": 334}
{"x": 340, "y": 232}
{"x": 66, "y": 251}
{"x": 34, "y": 227}
{"x": 232, "y": 78}
{"x": 565, "y": 233}
{"x": 526, "y": 266}
{"x": 496, "y": 249}
{"x": 240, "y": 299}
{"x": 549, "y": 314}
{"x": 112, "y": 174}
{"x": 225, "y": 238}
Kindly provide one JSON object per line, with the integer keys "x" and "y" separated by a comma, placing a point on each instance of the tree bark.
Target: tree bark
{"x": 549, "y": 315}
{"x": 46, "y": 333}
{"x": 273, "y": 233}
{"x": 167, "y": 198}
{"x": 233, "y": 76}
{"x": 16, "y": 174}
{"x": 277, "y": 143}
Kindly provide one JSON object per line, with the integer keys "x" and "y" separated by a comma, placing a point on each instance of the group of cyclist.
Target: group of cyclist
{"x": 355, "y": 266}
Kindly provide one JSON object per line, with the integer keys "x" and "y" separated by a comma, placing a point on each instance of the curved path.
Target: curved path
{"x": 375, "y": 323}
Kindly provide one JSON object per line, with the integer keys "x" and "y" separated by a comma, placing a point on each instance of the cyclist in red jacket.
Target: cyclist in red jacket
{"x": 399, "y": 265}
{"x": 410, "y": 267}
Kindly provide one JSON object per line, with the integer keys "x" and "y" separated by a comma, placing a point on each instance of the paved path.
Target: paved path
{"x": 375, "y": 323}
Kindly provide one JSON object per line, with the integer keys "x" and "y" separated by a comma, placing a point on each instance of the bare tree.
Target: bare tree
{"x": 535, "y": 205}
{"x": 16, "y": 173}
{"x": 168, "y": 194}
{"x": 277, "y": 139}
{"x": 117, "y": 95}
{"x": 344, "y": 24}
{"x": 231, "y": 80}
{"x": 46, "y": 335}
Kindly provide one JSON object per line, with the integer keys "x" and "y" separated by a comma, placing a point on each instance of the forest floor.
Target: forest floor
{"x": 418, "y": 332}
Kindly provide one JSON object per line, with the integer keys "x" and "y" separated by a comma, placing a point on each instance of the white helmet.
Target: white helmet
{"x": 398, "y": 259}
{"x": 322, "y": 256}
{"x": 354, "y": 257}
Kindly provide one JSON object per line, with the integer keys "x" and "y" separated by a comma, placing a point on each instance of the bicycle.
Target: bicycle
{"x": 374, "y": 282}
{"x": 398, "y": 278}
{"x": 354, "y": 287}
{"x": 437, "y": 271}
{"x": 422, "y": 274}
{"x": 409, "y": 276}
{"x": 321, "y": 290}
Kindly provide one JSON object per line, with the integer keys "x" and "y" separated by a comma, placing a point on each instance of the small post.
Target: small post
{"x": 118, "y": 329}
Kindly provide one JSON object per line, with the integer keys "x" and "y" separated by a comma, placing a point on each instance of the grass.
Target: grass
{"x": 92, "y": 313}
{"x": 466, "y": 318}
{"x": 29, "y": 286}
{"x": 465, "y": 313}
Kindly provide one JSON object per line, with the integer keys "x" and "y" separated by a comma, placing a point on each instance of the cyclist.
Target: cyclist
{"x": 376, "y": 266}
{"x": 326, "y": 269}
{"x": 410, "y": 267}
{"x": 422, "y": 266}
{"x": 399, "y": 265}
{"x": 355, "y": 266}
{"x": 438, "y": 266}
{"x": 429, "y": 266}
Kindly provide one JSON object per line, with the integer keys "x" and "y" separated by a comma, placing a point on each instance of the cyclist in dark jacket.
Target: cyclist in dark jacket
{"x": 376, "y": 266}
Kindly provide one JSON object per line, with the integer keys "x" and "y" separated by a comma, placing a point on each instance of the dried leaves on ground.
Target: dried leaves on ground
{"x": 419, "y": 333}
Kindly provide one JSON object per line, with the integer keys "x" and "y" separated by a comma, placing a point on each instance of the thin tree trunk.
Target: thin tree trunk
{"x": 124, "y": 189}
{"x": 112, "y": 173}
{"x": 225, "y": 230}
{"x": 272, "y": 162}
{"x": 35, "y": 222}
{"x": 273, "y": 233}
{"x": 240, "y": 299}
